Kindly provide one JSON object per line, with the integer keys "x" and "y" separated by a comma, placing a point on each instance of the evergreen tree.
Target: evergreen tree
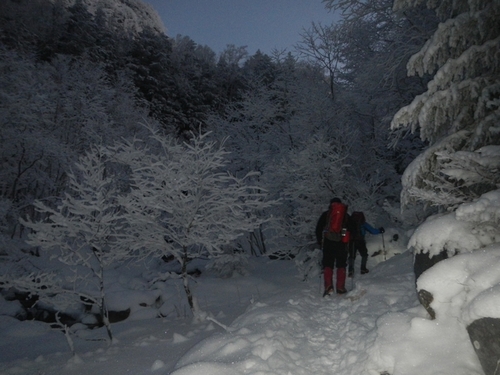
{"x": 459, "y": 113}
{"x": 371, "y": 45}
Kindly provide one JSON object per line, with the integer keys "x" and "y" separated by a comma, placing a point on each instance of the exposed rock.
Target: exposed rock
{"x": 426, "y": 299}
{"x": 484, "y": 334}
{"x": 423, "y": 262}
{"x": 118, "y": 316}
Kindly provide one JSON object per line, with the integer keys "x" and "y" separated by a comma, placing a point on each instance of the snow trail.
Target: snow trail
{"x": 299, "y": 332}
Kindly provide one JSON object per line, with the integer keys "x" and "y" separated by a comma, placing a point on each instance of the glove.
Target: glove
{"x": 381, "y": 229}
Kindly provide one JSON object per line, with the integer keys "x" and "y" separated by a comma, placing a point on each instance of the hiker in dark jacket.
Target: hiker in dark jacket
{"x": 334, "y": 255}
{"x": 358, "y": 227}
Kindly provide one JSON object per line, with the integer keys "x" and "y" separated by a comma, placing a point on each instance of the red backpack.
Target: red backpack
{"x": 335, "y": 221}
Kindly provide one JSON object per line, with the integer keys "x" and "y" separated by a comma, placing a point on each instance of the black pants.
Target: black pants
{"x": 334, "y": 254}
{"x": 354, "y": 247}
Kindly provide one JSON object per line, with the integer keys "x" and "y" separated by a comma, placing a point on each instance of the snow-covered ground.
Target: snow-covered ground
{"x": 267, "y": 322}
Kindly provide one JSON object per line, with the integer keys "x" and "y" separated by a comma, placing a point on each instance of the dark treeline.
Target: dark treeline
{"x": 177, "y": 81}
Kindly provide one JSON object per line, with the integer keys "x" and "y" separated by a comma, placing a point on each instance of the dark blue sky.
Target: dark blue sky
{"x": 258, "y": 24}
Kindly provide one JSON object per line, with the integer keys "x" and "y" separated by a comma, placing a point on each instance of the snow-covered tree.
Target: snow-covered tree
{"x": 50, "y": 113}
{"x": 308, "y": 178}
{"x": 255, "y": 137}
{"x": 229, "y": 77}
{"x": 285, "y": 108}
{"x": 182, "y": 201}
{"x": 460, "y": 111}
{"x": 83, "y": 233}
{"x": 375, "y": 43}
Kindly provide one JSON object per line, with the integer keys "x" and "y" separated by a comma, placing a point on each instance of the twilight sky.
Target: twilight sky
{"x": 258, "y": 24}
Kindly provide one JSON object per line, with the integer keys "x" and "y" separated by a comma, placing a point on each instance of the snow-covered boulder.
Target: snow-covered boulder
{"x": 466, "y": 288}
{"x": 457, "y": 256}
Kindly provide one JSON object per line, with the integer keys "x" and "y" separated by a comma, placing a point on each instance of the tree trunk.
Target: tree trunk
{"x": 104, "y": 309}
{"x": 256, "y": 239}
{"x": 185, "y": 279}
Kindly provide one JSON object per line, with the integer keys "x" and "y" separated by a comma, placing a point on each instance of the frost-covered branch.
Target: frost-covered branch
{"x": 84, "y": 230}
{"x": 460, "y": 112}
{"x": 183, "y": 203}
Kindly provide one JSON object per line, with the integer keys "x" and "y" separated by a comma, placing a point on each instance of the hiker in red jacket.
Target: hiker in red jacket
{"x": 334, "y": 246}
{"x": 358, "y": 227}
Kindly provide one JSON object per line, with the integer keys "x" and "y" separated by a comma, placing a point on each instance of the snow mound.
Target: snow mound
{"x": 471, "y": 227}
{"x": 465, "y": 287}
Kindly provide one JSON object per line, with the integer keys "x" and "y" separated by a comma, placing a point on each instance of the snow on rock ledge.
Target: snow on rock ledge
{"x": 472, "y": 226}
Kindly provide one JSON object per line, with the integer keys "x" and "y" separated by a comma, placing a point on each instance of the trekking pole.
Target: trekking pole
{"x": 351, "y": 260}
{"x": 321, "y": 268}
{"x": 383, "y": 244}
{"x": 352, "y": 282}
{"x": 320, "y": 281}
{"x": 352, "y": 252}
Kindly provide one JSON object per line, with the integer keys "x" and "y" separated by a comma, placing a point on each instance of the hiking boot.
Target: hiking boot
{"x": 341, "y": 290}
{"x": 350, "y": 274}
{"x": 328, "y": 291}
{"x": 364, "y": 270}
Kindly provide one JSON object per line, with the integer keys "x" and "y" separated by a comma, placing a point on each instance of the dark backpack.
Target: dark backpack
{"x": 359, "y": 219}
{"x": 335, "y": 221}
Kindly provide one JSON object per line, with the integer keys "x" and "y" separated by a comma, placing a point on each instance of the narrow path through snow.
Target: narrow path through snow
{"x": 299, "y": 332}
